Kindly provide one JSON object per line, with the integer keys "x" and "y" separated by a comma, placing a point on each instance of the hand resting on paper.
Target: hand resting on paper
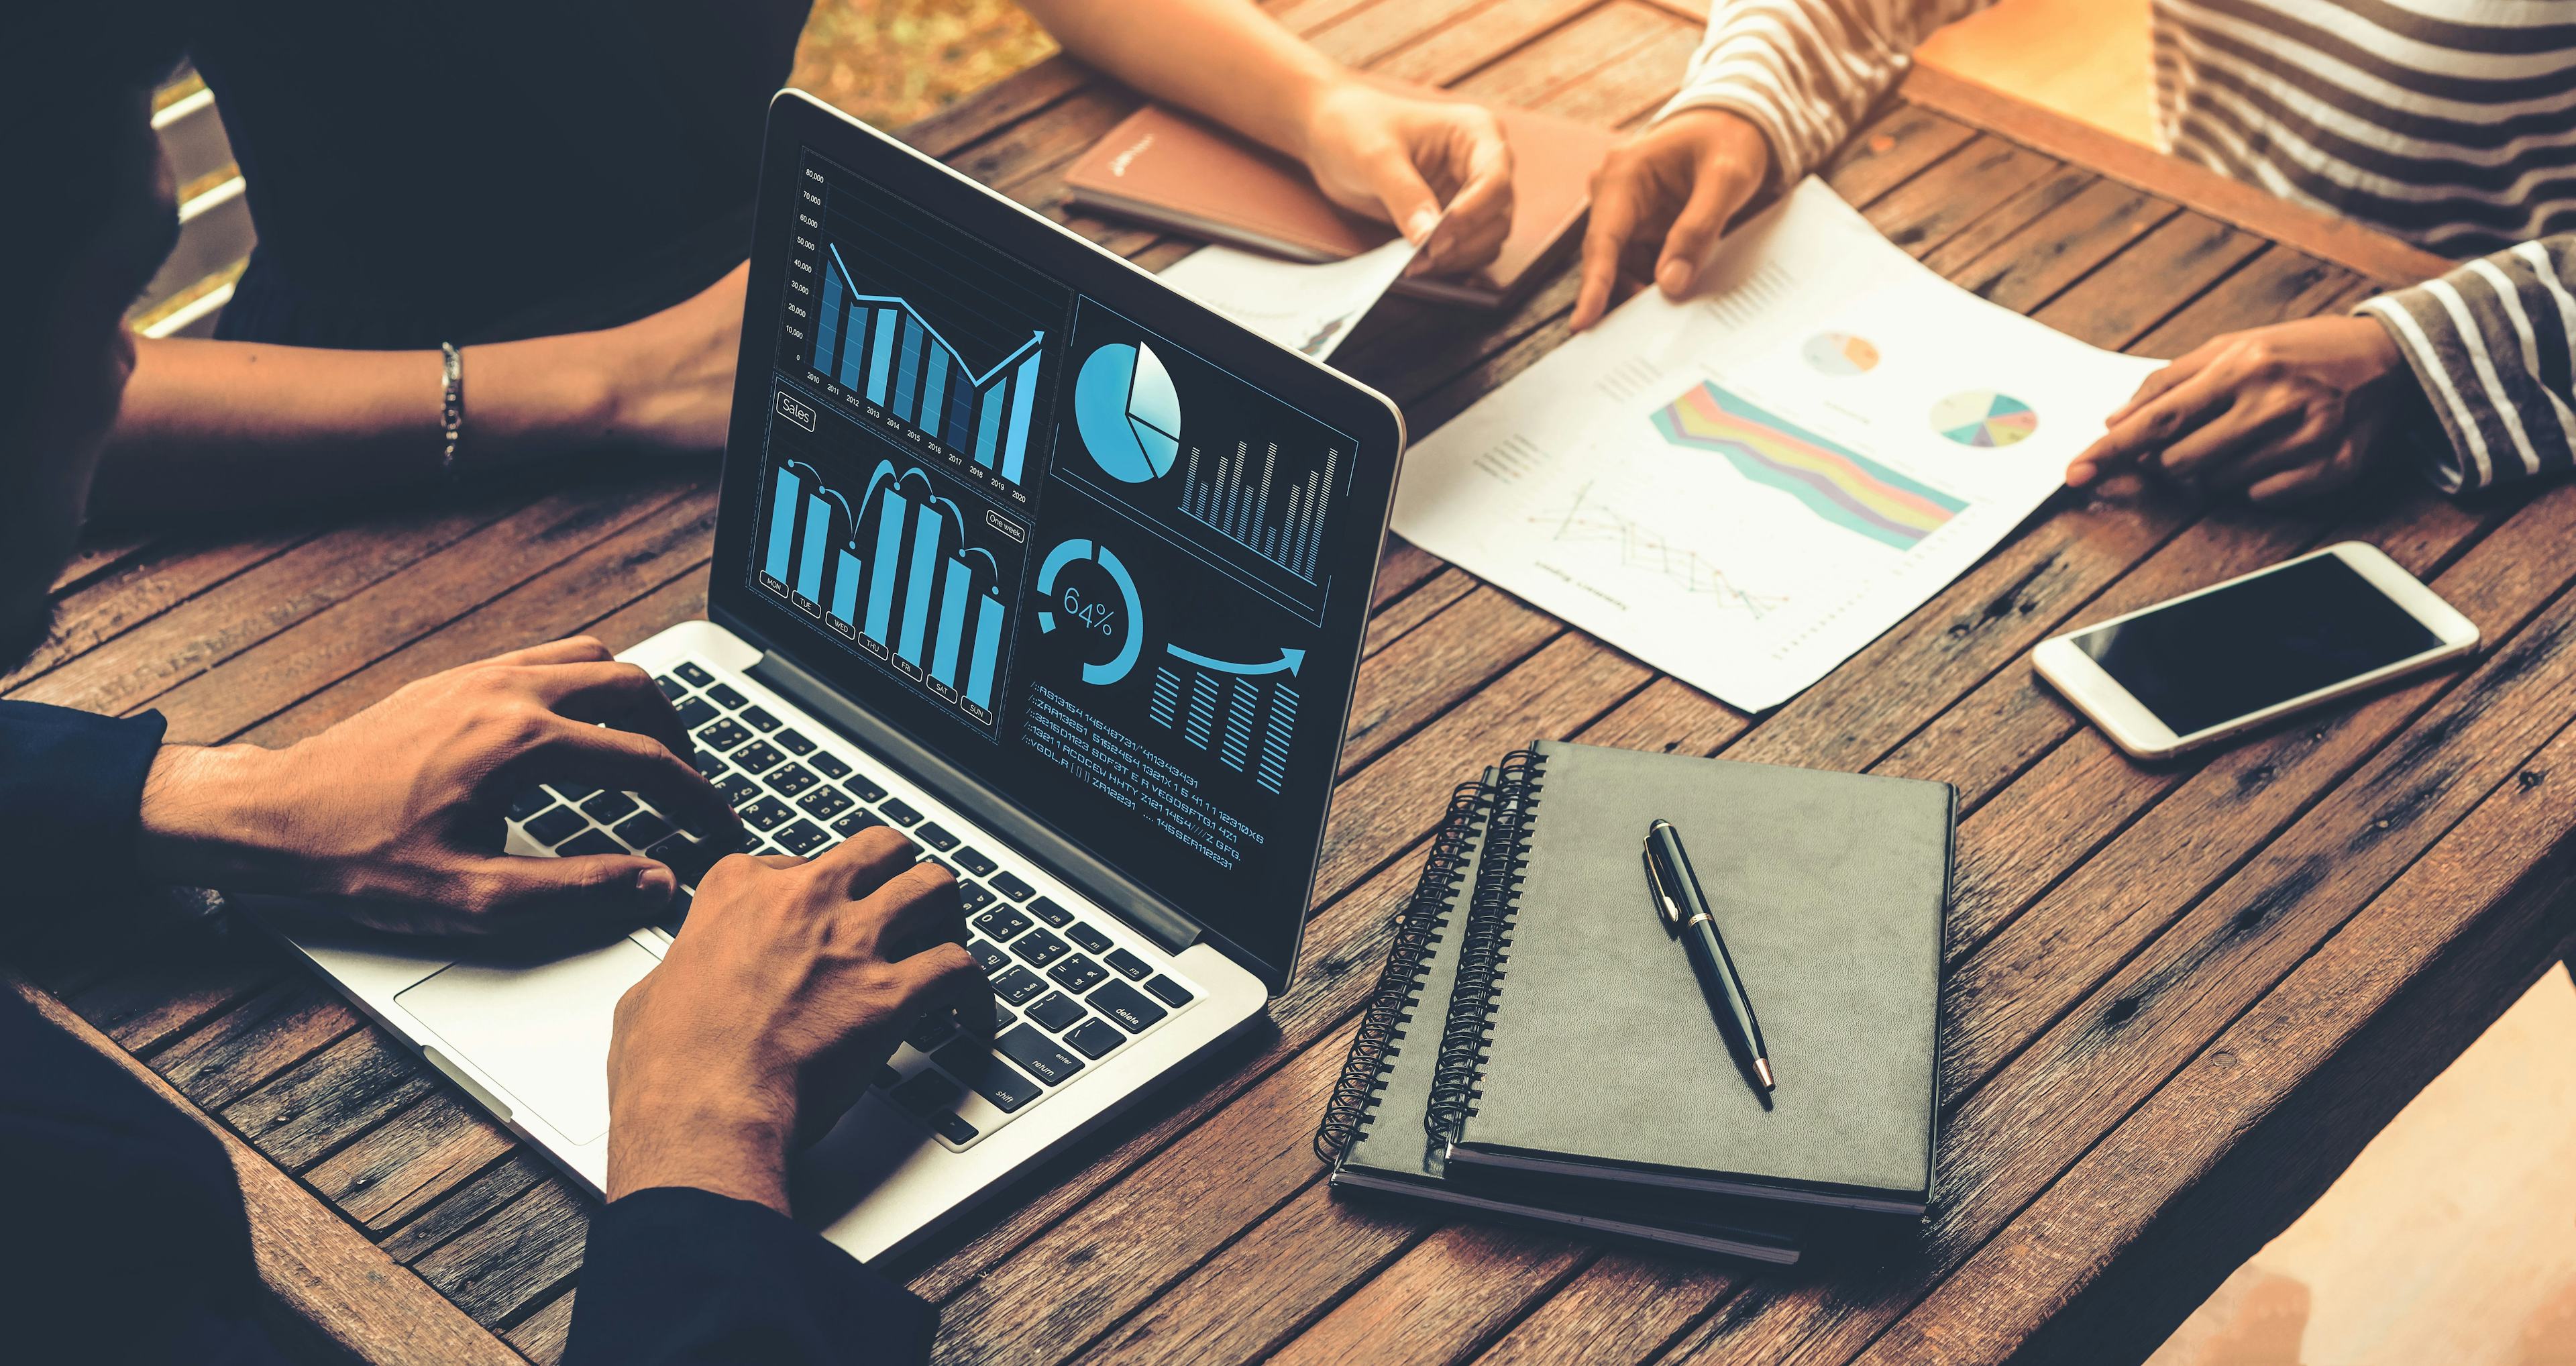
{"x": 1660, "y": 201}
{"x": 2281, "y": 414}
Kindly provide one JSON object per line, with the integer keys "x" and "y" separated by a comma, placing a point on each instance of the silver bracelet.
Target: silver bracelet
{"x": 452, "y": 408}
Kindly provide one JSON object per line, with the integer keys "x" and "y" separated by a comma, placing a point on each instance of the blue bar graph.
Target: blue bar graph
{"x": 845, "y": 595}
{"x": 885, "y": 348}
{"x": 889, "y": 552}
{"x": 955, "y": 596}
{"x": 916, "y": 597}
{"x": 988, "y": 651}
{"x": 782, "y": 525}
{"x": 809, "y": 577}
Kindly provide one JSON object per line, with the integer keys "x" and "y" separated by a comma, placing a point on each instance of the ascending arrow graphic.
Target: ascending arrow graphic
{"x": 1287, "y": 662}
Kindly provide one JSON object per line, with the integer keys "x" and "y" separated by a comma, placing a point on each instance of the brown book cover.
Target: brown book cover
{"x": 1179, "y": 172}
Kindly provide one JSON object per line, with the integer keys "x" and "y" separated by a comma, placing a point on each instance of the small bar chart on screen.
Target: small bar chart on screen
{"x": 954, "y": 367}
{"x": 898, "y": 572}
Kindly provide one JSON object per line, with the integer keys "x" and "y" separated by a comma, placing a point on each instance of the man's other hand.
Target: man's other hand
{"x": 394, "y": 816}
{"x": 1439, "y": 170}
{"x": 2280, "y": 414}
{"x": 1660, "y": 201}
{"x": 784, "y": 994}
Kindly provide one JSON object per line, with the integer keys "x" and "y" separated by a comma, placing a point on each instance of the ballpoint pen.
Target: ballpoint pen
{"x": 1685, "y": 913}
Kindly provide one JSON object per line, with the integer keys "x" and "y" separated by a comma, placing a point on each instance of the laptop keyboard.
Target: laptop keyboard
{"x": 1068, "y": 992}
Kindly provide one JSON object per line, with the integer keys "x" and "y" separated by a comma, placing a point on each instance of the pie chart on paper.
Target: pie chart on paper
{"x": 1128, "y": 413}
{"x": 1981, "y": 417}
{"x": 1841, "y": 354}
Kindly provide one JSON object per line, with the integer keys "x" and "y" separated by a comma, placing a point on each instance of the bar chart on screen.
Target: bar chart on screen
{"x": 896, "y": 571}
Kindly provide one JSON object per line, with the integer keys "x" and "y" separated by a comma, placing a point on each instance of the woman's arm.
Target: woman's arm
{"x": 1404, "y": 159}
{"x": 213, "y": 426}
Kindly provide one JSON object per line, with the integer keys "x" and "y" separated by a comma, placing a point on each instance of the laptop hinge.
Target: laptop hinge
{"x": 1152, "y": 916}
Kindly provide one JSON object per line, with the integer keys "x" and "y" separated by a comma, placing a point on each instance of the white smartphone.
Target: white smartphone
{"x": 2201, "y": 667}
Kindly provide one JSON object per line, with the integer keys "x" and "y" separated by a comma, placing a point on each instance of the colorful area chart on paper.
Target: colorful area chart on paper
{"x": 1835, "y": 482}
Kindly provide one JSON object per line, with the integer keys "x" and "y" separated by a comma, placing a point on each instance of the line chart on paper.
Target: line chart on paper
{"x": 1585, "y": 520}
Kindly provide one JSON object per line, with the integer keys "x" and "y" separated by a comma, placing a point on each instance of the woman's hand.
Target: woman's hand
{"x": 1660, "y": 200}
{"x": 1439, "y": 170}
{"x": 2281, "y": 413}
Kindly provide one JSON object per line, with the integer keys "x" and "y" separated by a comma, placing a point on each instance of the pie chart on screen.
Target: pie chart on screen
{"x": 1982, "y": 417}
{"x": 1128, "y": 413}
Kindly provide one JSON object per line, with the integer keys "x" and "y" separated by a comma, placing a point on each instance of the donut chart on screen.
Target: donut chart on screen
{"x": 1982, "y": 417}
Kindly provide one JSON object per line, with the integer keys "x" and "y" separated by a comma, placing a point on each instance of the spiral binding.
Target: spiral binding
{"x": 1398, "y": 983}
{"x": 1482, "y": 950}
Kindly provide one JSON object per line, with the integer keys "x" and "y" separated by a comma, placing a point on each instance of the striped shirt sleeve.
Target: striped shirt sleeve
{"x": 1806, "y": 71}
{"x": 2490, "y": 342}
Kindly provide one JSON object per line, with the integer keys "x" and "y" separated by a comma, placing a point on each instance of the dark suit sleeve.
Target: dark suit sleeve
{"x": 675, "y": 1275}
{"x": 71, "y": 797}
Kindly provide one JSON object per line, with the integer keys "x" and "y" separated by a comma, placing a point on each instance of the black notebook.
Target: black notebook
{"x": 1373, "y": 1132}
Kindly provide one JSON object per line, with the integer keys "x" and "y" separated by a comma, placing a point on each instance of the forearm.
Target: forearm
{"x": 2490, "y": 343}
{"x": 211, "y": 426}
{"x": 1806, "y": 71}
{"x": 1221, "y": 58}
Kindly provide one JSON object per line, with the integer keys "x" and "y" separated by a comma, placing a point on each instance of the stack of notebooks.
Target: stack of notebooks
{"x": 1539, "y": 1048}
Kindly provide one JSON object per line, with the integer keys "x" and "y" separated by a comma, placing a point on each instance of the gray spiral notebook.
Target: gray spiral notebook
{"x": 1577, "y": 1045}
{"x": 1373, "y": 1133}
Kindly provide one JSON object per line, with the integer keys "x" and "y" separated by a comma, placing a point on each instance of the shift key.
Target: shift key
{"x": 1038, "y": 1053}
{"x": 971, "y": 1061}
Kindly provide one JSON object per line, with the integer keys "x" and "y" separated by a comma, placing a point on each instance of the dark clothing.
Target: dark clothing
{"x": 481, "y": 170}
{"x": 129, "y": 1239}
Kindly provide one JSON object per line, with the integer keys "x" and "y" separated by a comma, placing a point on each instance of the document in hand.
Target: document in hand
{"x": 1745, "y": 489}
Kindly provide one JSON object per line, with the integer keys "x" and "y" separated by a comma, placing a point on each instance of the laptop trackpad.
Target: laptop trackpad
{"x": 540, "y": 1033}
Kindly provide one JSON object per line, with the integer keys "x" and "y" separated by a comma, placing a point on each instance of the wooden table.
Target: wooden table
{"x": 2179, "y": 998}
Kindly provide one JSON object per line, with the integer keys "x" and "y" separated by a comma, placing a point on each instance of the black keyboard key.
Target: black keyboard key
{"x": 934, "y": 1029}
{"x": 929, "y": 1093}
{"x": 643, "y": 830}
{"x": 1095, "y": 1039}
{"x": 574, "y": 794}
{"x": 695, "y": 712}
{"x": 696, "y": 673}
{"x": 864, "y": 790}
{"x": 1044, "y": 908}
{"x": 1088, "y": 937}
{"x": 1134, "y": 1013}
{"x": 954, "y": 1128}
{"x": 988, "y": 956}
{"x": 1002, "y": 922}
{"x": 1129, "y": 966}
{"x": 759, "y": 719}
{"x": 711, "y": 765}
{"x": 530, "y": 802}
{"x": 1038, "y": 948}
{"x": 894, "y": 810}
{"x": 975, "y": 861}
{"x": 1173, "y": 993}
{"x": 823, "y": 803}
{"x": 1017, "y": 986}
{"x": 726, "y": 697}
{"x": 1038, "y": 1056}
{"x": 589, "y": 842}
{"x": 608, "y": 808}
{"x": 737, "y": 790}
{"x": 936, "y": 837}
{"x": 829, "y": 765}
{"x": 556, "y": 826}
{"x": 671, "y": 687}
{"x": 676, "y": 915}
{"x": 1078, "y": 974}
{"x": 722, "y": 736}
{"x": 802, "y": 838}
{"x": 973, "y": 896}
{"x": 887, "y": 1078}
{"x": 757, "y": 756}
{"x": 1056, "y": 1011}
{"x": 767, "y": 814}
{"x": 855, "y": 822}
{"x": 689, "y": 859}
{"x": 790, "y": 780}
{"x": 794, "y": 742}
{"x": 1010, "y": 885}
{"x": 993, "y": 1079}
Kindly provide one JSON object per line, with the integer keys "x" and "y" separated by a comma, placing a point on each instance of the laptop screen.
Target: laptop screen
{"x": 1111, "y": 578}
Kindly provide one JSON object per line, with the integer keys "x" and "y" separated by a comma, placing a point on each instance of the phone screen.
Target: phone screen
{"x": 2256, "y": 643}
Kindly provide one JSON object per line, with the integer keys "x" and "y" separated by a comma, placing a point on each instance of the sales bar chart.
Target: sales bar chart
{"x": 881, "y": 347}
{"x": 897, "y": 578}
{"x": 1242, "y": 497}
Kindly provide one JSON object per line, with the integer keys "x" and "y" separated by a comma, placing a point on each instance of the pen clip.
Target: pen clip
{"x": 1666, "y": 909}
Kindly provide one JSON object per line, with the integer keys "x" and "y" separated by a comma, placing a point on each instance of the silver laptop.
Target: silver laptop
{"x": 1034, "y": 560}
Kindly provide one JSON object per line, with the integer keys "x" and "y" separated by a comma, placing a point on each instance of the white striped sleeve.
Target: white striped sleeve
{"x": 2491, "y": 343}
{"x": 1806, "y": 71}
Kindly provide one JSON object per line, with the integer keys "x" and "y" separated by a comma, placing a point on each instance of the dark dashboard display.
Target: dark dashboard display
{"x": 2256, "y": 644}
{"x": 1071, "y": 556}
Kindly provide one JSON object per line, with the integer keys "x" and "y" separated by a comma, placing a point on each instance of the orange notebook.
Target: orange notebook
{"x": 1174, "y": 171}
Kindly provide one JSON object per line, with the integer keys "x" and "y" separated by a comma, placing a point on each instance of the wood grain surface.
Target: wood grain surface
{"x": 2179, "y": 997}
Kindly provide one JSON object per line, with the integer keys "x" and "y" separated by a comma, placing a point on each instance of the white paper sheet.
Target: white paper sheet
{"x": 1745, "y": 489}
{"x": 1306, "y": 308}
